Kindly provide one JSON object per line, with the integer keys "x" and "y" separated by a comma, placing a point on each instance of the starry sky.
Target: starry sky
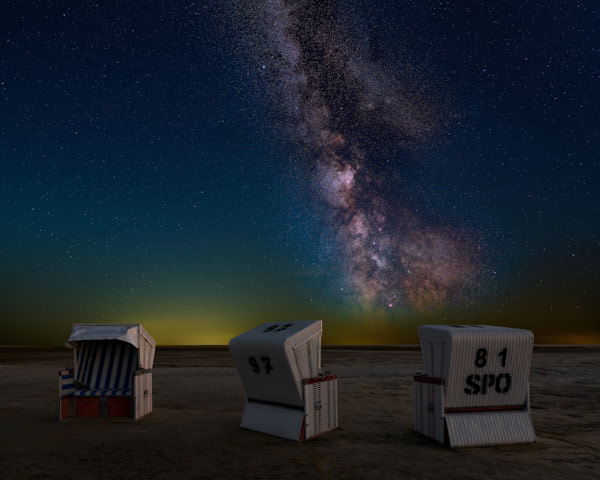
{"x": 201, "y": 167}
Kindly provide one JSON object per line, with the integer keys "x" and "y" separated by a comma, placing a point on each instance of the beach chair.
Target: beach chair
{"x": 287, "y": 395}
{"x": 112, "y": 373}
{"x": 475, "y": 388}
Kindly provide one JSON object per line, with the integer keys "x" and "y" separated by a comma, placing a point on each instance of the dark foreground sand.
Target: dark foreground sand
{"x": 198, "y": 399}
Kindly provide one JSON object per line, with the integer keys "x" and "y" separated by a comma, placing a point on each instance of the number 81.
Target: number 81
{"x": 481, "y": 357}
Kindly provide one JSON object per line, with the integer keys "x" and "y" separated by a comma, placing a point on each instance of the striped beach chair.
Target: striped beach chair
{"x": 287, "y": 395}
{"x": 112, "y": 373}
{"x": 475, "y": 387}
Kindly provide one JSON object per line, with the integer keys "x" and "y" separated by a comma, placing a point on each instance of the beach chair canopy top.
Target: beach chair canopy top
{"x": 450, "y": 333}
{"x": 281, "y": 333}
{"x": 133, "y": 334}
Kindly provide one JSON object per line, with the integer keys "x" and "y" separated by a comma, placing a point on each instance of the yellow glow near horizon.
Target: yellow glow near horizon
{"x": 216, "y": 324}
{"x": 190, "y": 330}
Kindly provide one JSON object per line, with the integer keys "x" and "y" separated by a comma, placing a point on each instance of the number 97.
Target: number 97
{"x": 254, "y": 364}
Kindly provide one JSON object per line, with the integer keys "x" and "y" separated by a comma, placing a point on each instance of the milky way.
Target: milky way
{"x": 351, "y": 117}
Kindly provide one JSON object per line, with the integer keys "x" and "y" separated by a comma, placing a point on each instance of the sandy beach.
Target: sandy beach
{"x": 194, "y": 431}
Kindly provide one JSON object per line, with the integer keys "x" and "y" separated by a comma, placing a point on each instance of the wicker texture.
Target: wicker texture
{"x": 275, "y": 361}
{"x": 320, "y": 407}
{"x": 480, "y": 370}
{"x": 142, "y": 393}
{"x": 451, "y": 353}
{"x": 429, "y": 410}
{"x": 305, "y": 357}
{"x": 490, "y": 428}
{"x": 105, "y": 366}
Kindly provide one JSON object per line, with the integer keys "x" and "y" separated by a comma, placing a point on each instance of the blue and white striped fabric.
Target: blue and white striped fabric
{"x": 66, "y": 385}
{"x": 115, "y": 392}
{"x": 106, "y": 367}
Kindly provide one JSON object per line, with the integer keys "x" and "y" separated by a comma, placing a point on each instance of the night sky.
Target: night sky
{"x": 204, "y": 166}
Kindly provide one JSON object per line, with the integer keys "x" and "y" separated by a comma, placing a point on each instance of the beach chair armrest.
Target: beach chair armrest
{"x": 426, "y": 379}
{"x": 66, "y": 382}
{"x": 142, "y": 392}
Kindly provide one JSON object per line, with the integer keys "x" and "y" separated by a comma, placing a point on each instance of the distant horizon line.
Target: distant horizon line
{"x": 333, "y": 346}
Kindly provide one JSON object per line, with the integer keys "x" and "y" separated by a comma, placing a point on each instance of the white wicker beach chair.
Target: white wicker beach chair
{"x": 112, "y": 373}
{"x": 475, "y": 388}
{"x": 286, "y": 393}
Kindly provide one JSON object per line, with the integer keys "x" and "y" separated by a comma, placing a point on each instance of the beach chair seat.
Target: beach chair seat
{"x": 104, "y": 392}
{"x": 475, "y": 388}
{"x": 287, "y": 394}
{"x": 109, "y": 361}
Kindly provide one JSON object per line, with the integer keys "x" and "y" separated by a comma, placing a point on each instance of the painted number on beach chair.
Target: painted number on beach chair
{"x": 277, "y": 328}
{"x": 256, "y": 367}
{"x": 481, "y": 357}
{"x": 503, "y": 355}
{"x": 479, "y": 384}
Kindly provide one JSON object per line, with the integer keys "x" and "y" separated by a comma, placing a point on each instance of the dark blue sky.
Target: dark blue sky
{"x": 151, "y": 172}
